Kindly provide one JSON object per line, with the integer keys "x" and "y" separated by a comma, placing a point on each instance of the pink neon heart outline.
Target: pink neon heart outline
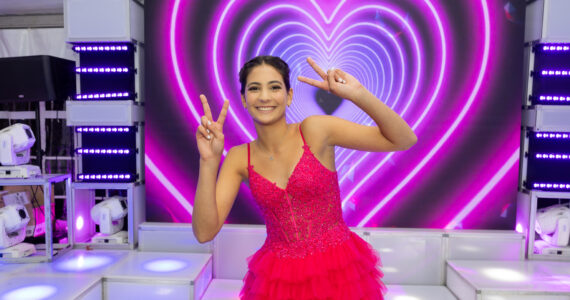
{"x": 184, "y": 92}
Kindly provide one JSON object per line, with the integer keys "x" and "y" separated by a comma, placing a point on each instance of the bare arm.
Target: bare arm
{"x": 392, "y": 133}
{"x": 214, "y": 195}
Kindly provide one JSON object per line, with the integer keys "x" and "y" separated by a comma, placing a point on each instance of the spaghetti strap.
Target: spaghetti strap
{"x": 248, "y": 160}
{"x": 304, "y": 143}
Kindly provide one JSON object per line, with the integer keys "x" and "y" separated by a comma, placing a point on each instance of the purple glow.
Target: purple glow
{"x": 79, "y": 223}
{"x": 555, "y": 72}
{"x": 38, "y": 292}
{"x": 165, "y": 265}
{"x": 102, "y": 151}
{"x": 95, "y": 177}
{"x": 103, "y": 129}
{"x": 101, "y": 70}
{"x": 519, "y": 228}
{"x": 100, "y": 48}
{"x": 102, "y": 96}
{"x": 551, "y": 186}
{"x": 83, "y": 262}
{"x": 558, "y": 156}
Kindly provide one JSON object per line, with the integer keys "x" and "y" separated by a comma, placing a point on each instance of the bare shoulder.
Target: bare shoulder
{"x": 316, "y": 130}
{"x": 236, "y": 159}
{"x": 318, "y": 127}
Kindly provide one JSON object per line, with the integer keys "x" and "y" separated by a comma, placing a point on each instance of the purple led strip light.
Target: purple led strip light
{"x": 551, "y": 135}
{"x": 101, "y": 48}
{"x": 555, "y": 72}
{"x": 554, "y": 98}
{"x": 559, "y": 186}
{"x": 102, "y": 96}
{"x": 564, "y": 47}
{"x": 102, "y": 129}
{"x": 101, "y": 70}
{"x": 102, "y": 151}
{"x": 552, "y": 156}
{"x": 104, "y": 176}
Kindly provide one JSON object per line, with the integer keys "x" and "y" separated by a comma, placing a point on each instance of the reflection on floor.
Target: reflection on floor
{"x": 438, "y": 271}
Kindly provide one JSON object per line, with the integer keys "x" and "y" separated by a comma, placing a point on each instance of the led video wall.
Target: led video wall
{"x": 452, "y": 69}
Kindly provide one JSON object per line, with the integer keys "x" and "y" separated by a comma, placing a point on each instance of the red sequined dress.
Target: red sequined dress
{"x": 309, "y": 253}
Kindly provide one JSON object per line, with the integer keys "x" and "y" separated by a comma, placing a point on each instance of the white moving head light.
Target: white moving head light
{"x": 13, "y": 222}
{"x": 553, "y": 225}
{"x": 110, "y": 214}
{"x": 15, "y": 144}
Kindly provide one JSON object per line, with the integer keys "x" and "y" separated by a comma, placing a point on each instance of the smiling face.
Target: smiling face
{"x": 266, "y": 96}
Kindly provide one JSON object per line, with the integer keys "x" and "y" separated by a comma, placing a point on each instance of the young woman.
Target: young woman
{"x": 309, "y": 253}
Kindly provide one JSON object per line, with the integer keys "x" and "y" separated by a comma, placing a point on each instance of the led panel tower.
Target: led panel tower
{"x": 107, "y": 74}
{"x": 544, "y": 181}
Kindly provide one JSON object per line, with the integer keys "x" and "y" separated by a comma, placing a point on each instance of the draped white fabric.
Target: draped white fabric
{"x": 37, "y": 41}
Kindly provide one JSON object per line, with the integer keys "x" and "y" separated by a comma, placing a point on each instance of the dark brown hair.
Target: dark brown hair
{"x": 274, "y": 61}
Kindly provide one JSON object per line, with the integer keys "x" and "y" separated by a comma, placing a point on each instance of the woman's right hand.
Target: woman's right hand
{"x": 210, "y": 136}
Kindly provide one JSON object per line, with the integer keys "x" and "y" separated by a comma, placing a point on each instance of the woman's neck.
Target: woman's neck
{"x": 271, "y": 137}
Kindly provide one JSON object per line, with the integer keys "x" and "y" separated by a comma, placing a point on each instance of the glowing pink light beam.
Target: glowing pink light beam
{"x": 448, "y": 133}
{"x": 327, "y": 20}
{"x": 467, "y": 209}
{"x": 174, "y": 60}
{"x": 168, "y": 185}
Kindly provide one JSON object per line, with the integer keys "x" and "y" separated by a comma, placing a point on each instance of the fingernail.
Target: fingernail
{"x": 343, "y": 81}
{"x": 208, "y": 137}
{"x": 209, "y": 123}
{"x": 208, "y": 130}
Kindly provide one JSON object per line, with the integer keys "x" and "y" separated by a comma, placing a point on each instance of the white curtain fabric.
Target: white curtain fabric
{"x": 37, "y": 41}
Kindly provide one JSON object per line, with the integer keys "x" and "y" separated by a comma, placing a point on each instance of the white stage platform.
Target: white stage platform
{"x": 171, "y": 264}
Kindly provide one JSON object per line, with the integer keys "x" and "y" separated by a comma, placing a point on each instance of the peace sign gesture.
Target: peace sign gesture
{"x": 335, "y": 81}
{"x": 210, "y": 136}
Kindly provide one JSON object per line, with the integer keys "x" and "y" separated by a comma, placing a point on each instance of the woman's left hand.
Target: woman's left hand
{"x": 335, "y": 81}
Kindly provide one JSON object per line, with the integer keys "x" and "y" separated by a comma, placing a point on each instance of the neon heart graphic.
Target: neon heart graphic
{"x": 403, "y": 60}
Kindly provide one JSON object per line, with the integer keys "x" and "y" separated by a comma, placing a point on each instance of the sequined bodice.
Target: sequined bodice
{"x": 306, "y": 216}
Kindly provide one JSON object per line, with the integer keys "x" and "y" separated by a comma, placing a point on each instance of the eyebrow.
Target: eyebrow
{"x": 271, "y": 82}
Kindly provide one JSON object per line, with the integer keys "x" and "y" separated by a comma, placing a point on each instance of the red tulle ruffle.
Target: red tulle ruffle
{"x": 346, "y": 271}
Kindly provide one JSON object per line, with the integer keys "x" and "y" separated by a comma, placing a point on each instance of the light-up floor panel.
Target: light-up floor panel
{"x": 501, "y": 280}
{"x": 54, "y": 287}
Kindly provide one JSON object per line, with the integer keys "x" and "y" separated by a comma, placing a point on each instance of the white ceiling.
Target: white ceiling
{"x": 25, "y": 7}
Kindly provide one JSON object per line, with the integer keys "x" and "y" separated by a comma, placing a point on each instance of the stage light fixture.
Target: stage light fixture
{"x": 13, "y": 221}
{"x": 102, "y": 70}
{"x": 110, "y": 216}
{"x": 102, "y": 129}
{"x": 553, "y": 225}
{"x": 555, "y": 72}
{"x": 98, "y": 96}
{"x": 558, "y": 156}
{"x": 15, "y": 144}
{"x": 551, "y": 186}
{"x": 554, "y": 98}
{"x": 556, "y": 47}
{"x": 100, "y": 48}
{"x": 552, "y": 135}
{"x": 103, "y": 151}
{"x": 108, "y": 177}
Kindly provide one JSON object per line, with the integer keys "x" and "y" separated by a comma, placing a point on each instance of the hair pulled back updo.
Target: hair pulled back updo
{"x": 274, "y": 61}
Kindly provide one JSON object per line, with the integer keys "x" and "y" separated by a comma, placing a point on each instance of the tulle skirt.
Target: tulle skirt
{"x": 345, "y": 271}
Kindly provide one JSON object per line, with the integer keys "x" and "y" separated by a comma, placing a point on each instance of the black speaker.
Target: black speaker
{"x": 36, "y": 78}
